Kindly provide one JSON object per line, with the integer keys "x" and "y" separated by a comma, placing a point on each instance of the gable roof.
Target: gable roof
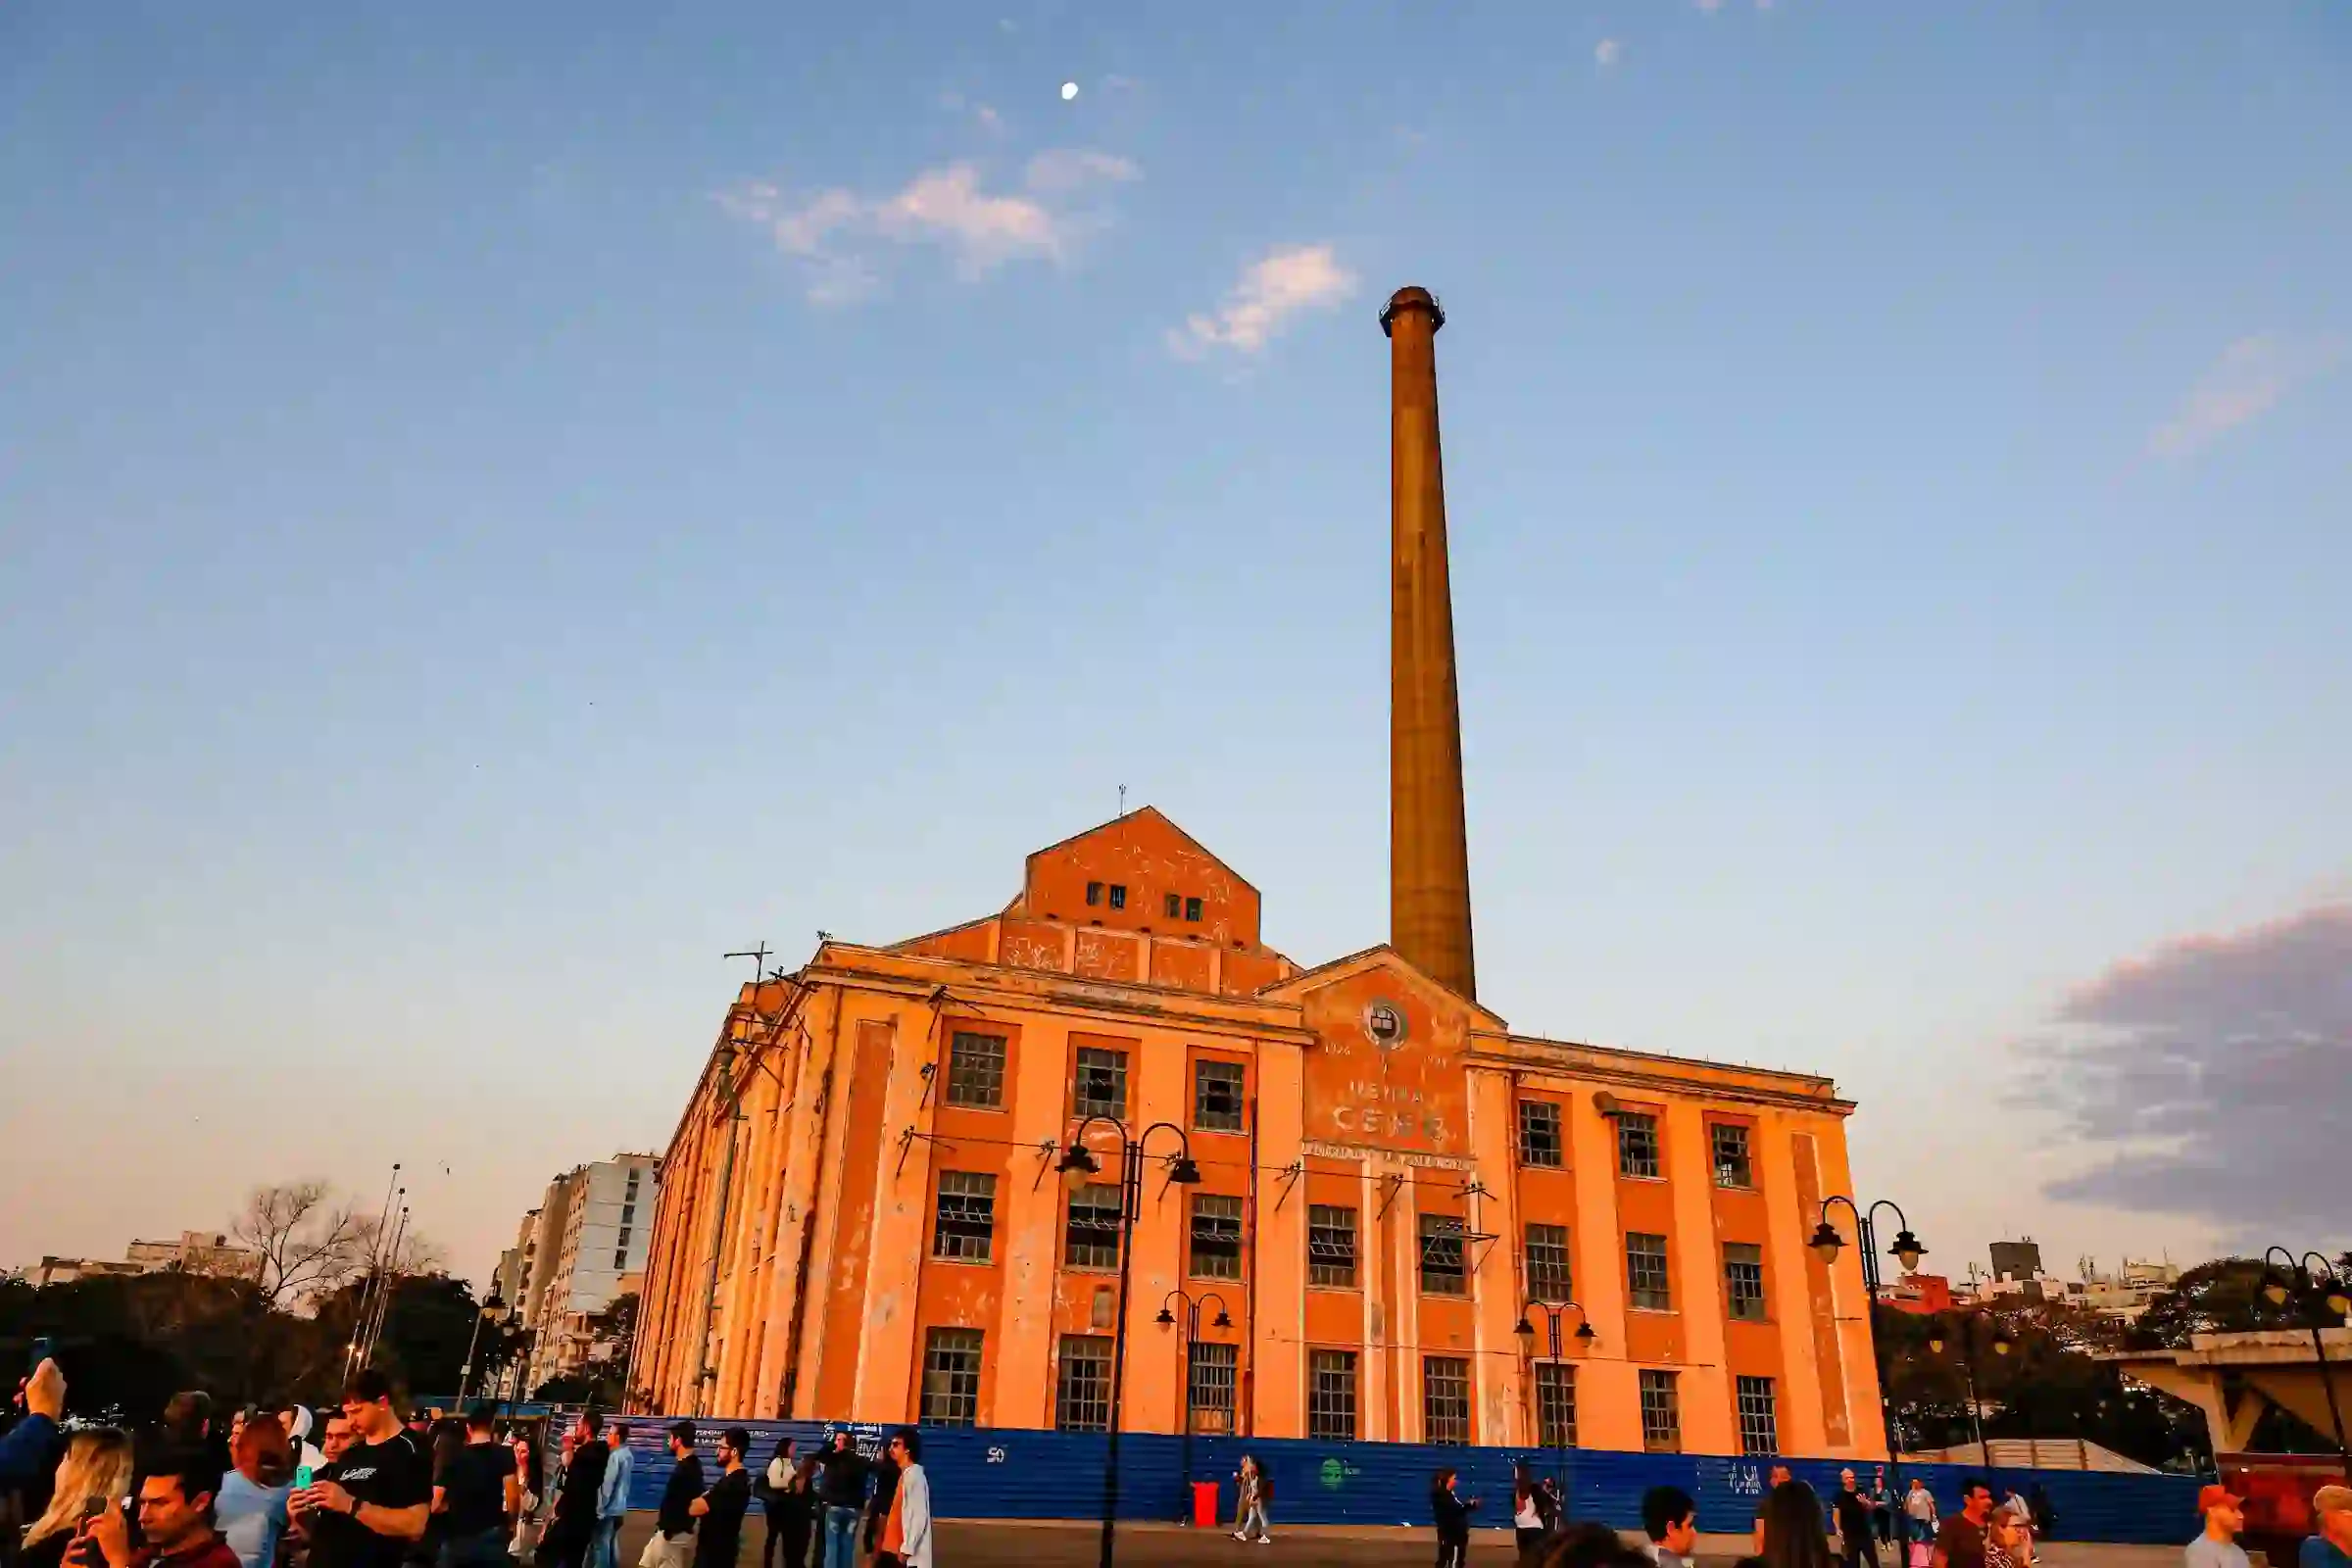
{"x": 1151, "y": 812}
{"x": 1379, "y": 956}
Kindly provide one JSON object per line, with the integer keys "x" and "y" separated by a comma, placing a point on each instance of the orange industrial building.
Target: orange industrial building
{"x": 871, "y": 1210}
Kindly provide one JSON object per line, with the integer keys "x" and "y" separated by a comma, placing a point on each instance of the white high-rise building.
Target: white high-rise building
{"x": 570, "y": 1253}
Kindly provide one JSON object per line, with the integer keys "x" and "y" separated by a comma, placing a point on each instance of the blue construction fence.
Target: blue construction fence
{"x": 980, "y": 1473}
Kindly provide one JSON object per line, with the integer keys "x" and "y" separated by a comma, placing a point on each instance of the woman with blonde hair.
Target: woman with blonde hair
{"x": 96, "y": 1468}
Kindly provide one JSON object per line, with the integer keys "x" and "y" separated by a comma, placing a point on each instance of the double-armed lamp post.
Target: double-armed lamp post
{"x": 2323, "y": 1294}
{"x": 1906, "y": 1250}
{"x": 1192, "y": 1337}
{"x": 1078, "y": 1165}
{"x": 1525, "y": 1332}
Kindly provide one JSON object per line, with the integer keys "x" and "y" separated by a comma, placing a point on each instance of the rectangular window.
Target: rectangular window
{"x": 621, "y": 1261}
{"x": 1729, "y": 1142}
{"x": 1637, "y": 1144}
{"x": 623, "y": 1240}
{"x": 1082, "y": 1383}
{"x": 628, "y": 1213}
{"x": 1759, "y": 1419}
{"x": 1445, "y": 1400}
{"x": 1744, "y": 1281}
{"x": 966, "y": 1222}
{"x": 1645, "y": 1271}
{"x": 952, "y": 1377}
{"x": 1217, "y": 1237}
{"x": 1330, "y": 1246}
{"x": 1555, "y": 1405}
{"x": 1539, "y": 1133}
{"x": 1548, "y": 1272}
{"x": 1212, "y": 1379}
{"x": 976, "y": 1071}
{"x": 1661, "y": 1414}
{"x": 1192, "y": 910}
{"x": 1172, "y": 905}
{"x": 1119, "y": 894}
{"x": 1089, "y": 1236}
{"x": 1102, "y": 1089}
{"x": 1442, "y": 1272}
{"x": 1217, "y": 1095}
{"x": 1094, "y": 893}
{"x": 1331, "y": 1396}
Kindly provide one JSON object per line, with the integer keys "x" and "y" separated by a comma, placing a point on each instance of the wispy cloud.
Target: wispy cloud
{"x": 1607, "y": 53}
{"x": 840, "y": 236}
{"x": 2245, "y": 383}
{"x": 1273, "y": 288}
{"x": 2207, "y": 1077}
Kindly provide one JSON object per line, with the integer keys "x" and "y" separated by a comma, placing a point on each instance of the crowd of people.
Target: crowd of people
{"x": 380, "y": 1490}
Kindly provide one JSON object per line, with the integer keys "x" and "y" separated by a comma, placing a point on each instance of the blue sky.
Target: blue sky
{"x": 501, "y": 505}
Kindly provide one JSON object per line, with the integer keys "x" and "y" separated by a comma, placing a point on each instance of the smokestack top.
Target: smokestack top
{"x": 1411, "y": 297}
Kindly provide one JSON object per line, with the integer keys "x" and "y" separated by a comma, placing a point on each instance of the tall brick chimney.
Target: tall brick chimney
{"x": 1429, "y": 848}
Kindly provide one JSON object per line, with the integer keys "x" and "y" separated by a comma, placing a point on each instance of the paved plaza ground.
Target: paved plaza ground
{"x": 1063, "y": 1543}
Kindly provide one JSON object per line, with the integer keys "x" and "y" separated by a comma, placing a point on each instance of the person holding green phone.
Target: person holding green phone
{"x": 382, "y": 1491}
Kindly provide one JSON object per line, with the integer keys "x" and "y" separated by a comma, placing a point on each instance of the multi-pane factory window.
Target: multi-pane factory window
{"x": 1645, "y": 1271}
{"x": 1547, "y": 1273}
{"x": 1212, "y": 1378}
{"x": 1217, "y": 1095}
{"x": 1637, "y": 1144}
{"x": 1330, "y": 1246}
{"x": 1728, "y": 1140}
{"x": 1759, "y": 1419}
{"x": 1089, "y": 1237}
{"x": 1102, "y": 1088}
{"x": 952, "y": 1377}
{"x": 1445, "y": 1400}
{"x": 1217, "y": 1237}
{"x": 1331, "y": 1396}
{"x": 1744, "y": 1281}
{"x": 1082, "y": 1383}
{"x": 1555, "y": 1405}
{"x": 1539, "y": 1133}
{"x": 1192, "y": 912}
{"x": 1119, "y": 894}
{"x": 966, "y": 1222}
{"x": 1442, "y": 1271}
{"x": 1661, "y": 1413}
{"x": 976, "y": 1071}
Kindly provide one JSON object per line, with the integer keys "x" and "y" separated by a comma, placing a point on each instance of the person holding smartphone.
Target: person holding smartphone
{"x": 382, "y": 1492}
{"x": 176, "y": 1521}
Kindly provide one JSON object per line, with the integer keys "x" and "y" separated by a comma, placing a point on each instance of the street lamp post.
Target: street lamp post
{"x": 1191, "y": 1334}
{"x": 1525, "y": 1330}
{"x": 1078, "y": 1162}
{"x": 492, "y": 1305}
{"x": 2312, "y": 1289}
{"x": 1906, "y": 1250}
{"x": 1967, "y": 1365}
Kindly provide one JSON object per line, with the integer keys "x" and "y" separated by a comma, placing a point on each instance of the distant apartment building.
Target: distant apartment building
{"x": 1922, "y": 1295}
{"x": 192, "y": 1253}
{"x": 571, "y": 1255}
{"x": 2020, "y": 1259}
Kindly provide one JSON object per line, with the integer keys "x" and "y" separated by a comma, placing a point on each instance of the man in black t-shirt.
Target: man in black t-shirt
{"x": 721, "y": 1509}
{"x": 481, "y": 1496}
{"x": 381, "y": 1493}
{"x": 674, "y": 1525}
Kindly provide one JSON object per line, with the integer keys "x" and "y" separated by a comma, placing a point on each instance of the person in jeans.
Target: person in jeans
{"x": 479, "y": 1496}
{"x": 613, "y": 1498}
{"x": 1256, "y": 1495}
{"x": 842, "y": 1491}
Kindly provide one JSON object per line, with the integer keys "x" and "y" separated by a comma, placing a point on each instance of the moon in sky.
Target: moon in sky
{"x": 1069, "y": 90}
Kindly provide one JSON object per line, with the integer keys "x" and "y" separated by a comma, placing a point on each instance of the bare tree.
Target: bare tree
{"x": 309, "y": 1242}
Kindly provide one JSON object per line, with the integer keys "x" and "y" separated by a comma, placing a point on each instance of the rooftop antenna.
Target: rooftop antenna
{"x": 1122, "y": 800}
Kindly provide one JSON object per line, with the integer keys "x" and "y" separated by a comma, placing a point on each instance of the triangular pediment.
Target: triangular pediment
{"x": 1383, "y": 959}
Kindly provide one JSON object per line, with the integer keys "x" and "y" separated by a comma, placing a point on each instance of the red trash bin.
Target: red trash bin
{"x": 1205, "y": 1504}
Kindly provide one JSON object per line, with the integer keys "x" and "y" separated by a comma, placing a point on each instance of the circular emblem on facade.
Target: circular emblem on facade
{"x": 1384, "y": 1021}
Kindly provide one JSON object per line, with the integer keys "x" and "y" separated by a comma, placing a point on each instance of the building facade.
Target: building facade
{"x": 591, "y": 1231}
{"x": 1388, "y": 1173}
{"x": 193, "y": 1253}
